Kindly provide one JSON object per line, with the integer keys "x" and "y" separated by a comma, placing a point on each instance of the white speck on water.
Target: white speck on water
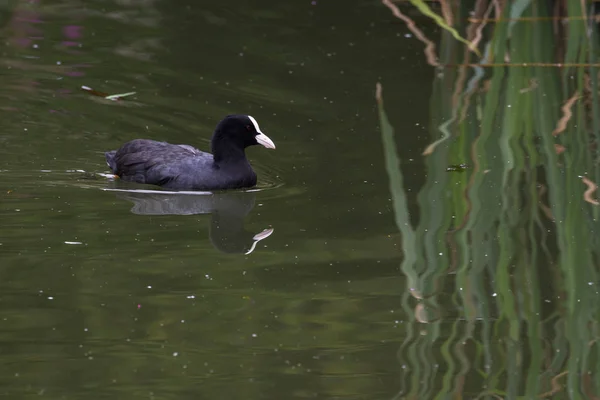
{"x": 175, "y": 354}
{"x": 73, "y": 243}
{"x": 183, "y": 321}
{"x": 149, "y": 286}
{"x": 407, "y": 35}
{"x": 191, "y": 296}
{"x": 494, "y": 294}
{"x": 254, "y": 335}
{"x": 50, "y": 298}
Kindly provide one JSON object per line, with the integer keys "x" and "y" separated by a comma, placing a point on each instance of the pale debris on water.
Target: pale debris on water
{"x": 107, "y": 96}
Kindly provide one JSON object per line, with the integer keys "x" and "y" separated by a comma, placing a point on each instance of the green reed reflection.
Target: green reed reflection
{"x": 515, "y": 236}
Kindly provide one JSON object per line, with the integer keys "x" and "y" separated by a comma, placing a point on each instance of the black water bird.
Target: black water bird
{"x": 183, "y": 167}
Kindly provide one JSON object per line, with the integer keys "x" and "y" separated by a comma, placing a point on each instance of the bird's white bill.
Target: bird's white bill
{"x": 258, "y": 237}
{"x": 264, "y": 140}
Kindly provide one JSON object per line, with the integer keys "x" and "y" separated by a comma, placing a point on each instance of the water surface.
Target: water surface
{"x": 111, "y": 293}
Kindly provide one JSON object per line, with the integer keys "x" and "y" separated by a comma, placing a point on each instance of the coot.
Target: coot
{"x": 183, "y": 167}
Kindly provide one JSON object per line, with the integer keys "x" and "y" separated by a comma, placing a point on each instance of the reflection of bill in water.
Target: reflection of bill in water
{"x": 228, "y": 210}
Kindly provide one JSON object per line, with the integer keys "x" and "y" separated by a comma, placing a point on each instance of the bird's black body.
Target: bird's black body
{"x": 183, "y": 167}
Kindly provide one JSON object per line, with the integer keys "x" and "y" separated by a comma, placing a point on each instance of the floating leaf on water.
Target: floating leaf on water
{"x": 93, "y": 92}
{"x": 457, "y": 168}
{"x": 106, "y": 95}
{"x": 118, "y": 96}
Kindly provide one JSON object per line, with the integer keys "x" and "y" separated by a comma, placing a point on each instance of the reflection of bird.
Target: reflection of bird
{"x": 228, "y": 210}
{"x": 183, "y": 167}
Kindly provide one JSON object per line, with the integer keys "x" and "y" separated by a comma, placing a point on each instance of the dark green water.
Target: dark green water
{"x": 372, "y": 279}
{"x": 101, "y": 296}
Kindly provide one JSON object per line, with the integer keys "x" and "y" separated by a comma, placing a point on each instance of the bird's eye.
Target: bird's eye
{"x": 248, "y": 128}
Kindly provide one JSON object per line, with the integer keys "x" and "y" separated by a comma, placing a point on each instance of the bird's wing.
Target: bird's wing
{"x": 152, "y": 162}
